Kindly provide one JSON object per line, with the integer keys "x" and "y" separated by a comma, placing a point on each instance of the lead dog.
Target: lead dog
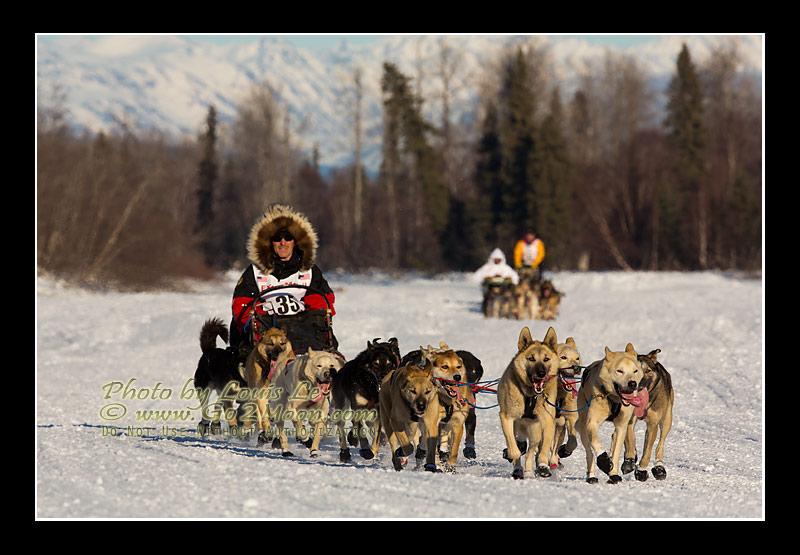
{"x": 304, "y": 394}
{"x": 454, "y": 399}
{"x": 355, "y": 389}
{"x": 656, "y": 411}
{"x": 217, "y": 371}
{"x": 526, "y": 383}
{"x": 610, "y": 388}
{"x": 409, "y": 396}
{"x": 459, "y": 370}
{"x": 567, "y": 400}
{"x": 271, "y": 354}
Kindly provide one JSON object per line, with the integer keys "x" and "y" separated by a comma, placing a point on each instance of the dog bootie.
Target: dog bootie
{"x": 659, "y": 472}
{"x": 543, "y": 471}
{"x": 469, "y": 451}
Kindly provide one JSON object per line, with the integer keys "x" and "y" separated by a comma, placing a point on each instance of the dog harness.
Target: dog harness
{"x": 530, "y": 403}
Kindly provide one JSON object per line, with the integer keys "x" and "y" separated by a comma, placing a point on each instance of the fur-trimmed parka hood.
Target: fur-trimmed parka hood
{"x": 277, "y": 217}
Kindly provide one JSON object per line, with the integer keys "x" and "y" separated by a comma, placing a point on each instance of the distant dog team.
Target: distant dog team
{"x": 527, "y": 300}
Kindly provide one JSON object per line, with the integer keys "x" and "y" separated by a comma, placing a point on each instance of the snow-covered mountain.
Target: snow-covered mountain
{"x": 168, "y": 82}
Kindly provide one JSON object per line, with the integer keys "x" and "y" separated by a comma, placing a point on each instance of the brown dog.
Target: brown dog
{"x": 408, "y": 396}
{"x": 610, "y": 389}
{"x": 272, "y": 353}
{"x": 449, "y": 372}
{"x": 567, "y": 400}
{"x": 527, "y": 304}
{"x": 656, "y": 413}
{"x": 549, "y": 300}
{"x": 528, "y": 381}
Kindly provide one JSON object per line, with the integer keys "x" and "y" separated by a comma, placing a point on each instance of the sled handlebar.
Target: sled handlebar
{"x": 252, "y": 305}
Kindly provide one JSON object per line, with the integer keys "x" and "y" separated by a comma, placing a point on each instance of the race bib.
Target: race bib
{"x": 284, "y": 301}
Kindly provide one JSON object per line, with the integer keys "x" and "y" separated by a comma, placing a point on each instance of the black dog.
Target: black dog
{"x": 474, "y": 375}
{"x": 215, "y": 370}
{"x": 355, "y": 387}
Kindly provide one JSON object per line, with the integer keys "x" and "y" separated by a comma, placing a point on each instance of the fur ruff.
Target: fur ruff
{"x": 280, "y": 216}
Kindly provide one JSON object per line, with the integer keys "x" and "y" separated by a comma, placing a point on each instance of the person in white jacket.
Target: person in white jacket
{"x": 496, "y": 267}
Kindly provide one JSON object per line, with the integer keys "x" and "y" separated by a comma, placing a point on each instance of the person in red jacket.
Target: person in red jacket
{"x": 282, "y": 248}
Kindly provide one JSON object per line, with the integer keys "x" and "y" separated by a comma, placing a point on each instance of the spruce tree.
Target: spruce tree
{"x": 551, "y": 183}
{"x": 409, "y": 158}
{"x": 207, "y": 176}
{"x": 684, "y": 123}
{"x": 486, "y": 212}
{"x": 518, "y": 138}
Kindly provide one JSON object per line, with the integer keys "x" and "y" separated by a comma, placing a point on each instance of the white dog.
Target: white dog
{"x": 304, "y": 388}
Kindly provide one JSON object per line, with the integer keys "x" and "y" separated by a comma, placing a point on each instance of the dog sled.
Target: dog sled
{"x": 308, "y": 329}
{"x": 533, "y": 298}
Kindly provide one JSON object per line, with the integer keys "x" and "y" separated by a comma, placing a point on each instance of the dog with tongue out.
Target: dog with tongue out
{"x": 610, "y": 392}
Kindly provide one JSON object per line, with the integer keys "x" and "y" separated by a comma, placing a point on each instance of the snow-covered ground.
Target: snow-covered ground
{"x": 95, "y": 459}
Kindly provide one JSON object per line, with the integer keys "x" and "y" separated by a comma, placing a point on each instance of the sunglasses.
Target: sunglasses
{"x": 282, "y": 235}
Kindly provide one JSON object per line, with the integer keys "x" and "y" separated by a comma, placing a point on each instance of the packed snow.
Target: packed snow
{"x": 105, "y": 359}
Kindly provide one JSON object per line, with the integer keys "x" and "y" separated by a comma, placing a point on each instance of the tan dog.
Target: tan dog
{"x": 549, "y": 300}
{"x": 527, "y": 305}
{"x": 408, "y": 396}
{"x": 610, "y": 388}
{"x": 656, "y": 411}
{"x": 528, "y": 381}
{"x": 449, "y": 372}
{"x": 567, "y": 400}
{"x": 271, "y": 354}
{"x": 304, "y": 388}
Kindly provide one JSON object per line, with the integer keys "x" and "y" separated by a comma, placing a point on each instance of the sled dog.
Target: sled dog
{"x": 526, "y": 384}
{"x": 474, "y": 371}
{"x": 267, "y": 359}
{"x": 527, "y": 303}
{"x": 355, "y": 392}
{"x": 454, "y": 399}
{"x": 218, "y": 371}
{"x": 656, "y": 411}
{"x": 408, "y": 396}
{"x": 456, "y": 372}
{"x": 304, "y": 394}
{"x": 549, "y": 300}
{"x": 567, "y": 400}
{"x": 610, "y": 388}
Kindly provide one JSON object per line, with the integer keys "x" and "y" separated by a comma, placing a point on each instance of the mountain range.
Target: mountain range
{"x": 167, "y": 83}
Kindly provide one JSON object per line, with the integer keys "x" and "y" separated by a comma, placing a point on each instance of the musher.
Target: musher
{"x": 282, "y": 247}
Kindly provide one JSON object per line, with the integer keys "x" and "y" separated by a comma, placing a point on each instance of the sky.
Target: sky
{"x": 328, "y": 41}
{"x": 318, "y": 42}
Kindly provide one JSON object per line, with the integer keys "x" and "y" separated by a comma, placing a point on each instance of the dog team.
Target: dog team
{"x": 526, "y": 300}
{"x": 424, "y": 402}
{"x": 283, "y": 365}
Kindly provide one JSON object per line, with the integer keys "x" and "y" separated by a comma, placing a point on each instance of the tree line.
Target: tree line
{"x": 606, "y": 176}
